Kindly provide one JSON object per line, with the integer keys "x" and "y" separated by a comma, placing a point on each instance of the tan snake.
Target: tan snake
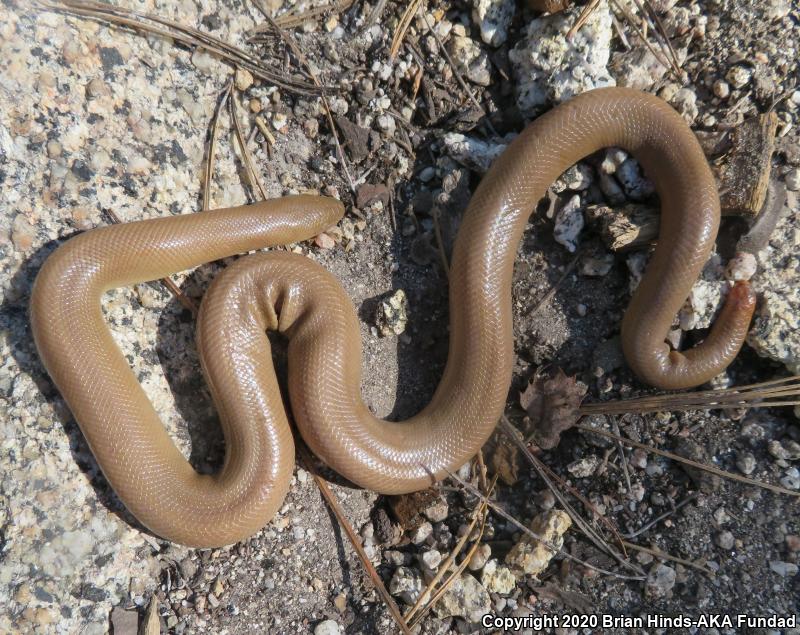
{"x": 292, "y": 294}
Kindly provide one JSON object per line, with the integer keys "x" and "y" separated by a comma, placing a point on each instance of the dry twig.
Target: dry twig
{"x": 188, "y": 36}
{"x": 247, "y": 158}
{"x": 698, "y": 465}
{"x": 333, "y": 503}
{"x": 529, "y": 532}
{"x": 777, "y": 392}
{"x": 208, "y": 173}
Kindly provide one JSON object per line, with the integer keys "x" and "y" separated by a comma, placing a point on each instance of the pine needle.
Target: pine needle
{"x": 208, "y": 173}
{"x": 336, "y": 508}
{"x": 188, "y": 36}
{"x": 701, "y": 466}
{"x": 776, "y": 392}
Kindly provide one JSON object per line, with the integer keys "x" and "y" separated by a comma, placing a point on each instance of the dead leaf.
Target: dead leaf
{"x": 552, "y": 404}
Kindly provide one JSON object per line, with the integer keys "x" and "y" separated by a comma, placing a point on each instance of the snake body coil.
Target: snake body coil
{"x": 295, "y": 296}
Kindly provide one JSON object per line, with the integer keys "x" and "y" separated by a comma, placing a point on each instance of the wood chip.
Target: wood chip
{"x": 743, "y": 172}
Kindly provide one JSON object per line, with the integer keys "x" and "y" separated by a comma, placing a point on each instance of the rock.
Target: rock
{"x": 498, "y": 578}
{"x": 638, "y": 459}
{"x": 550, "y": 68}
{"x": 784, "y": 569}
{"x": 787, "y": 451}
{"x": 493, "y": 18}
{"x": 475, "y": 154}
{"x": 396, "y": 558}
{"x": 596, "y": 266}
{"x": 530, "y": 556}
{"x": 660, "y": 581}
{"x": 685, "y": 102}
{"x": 124, "y": 622}
{"x": 431, "y": 559}
{"x": 327, "y": 627}
{"x": 406, "y": 584}
{"x": 480, "y": 557}
{"x": 724, "y": 540}
{"x": 585, "y": 467}
{"x": 746, "y": 462}
{"x": 437, "y": 510}
{"x": 465, "y": 598}
{"x": 742, "y": 266}
{"x": 792, "y": 179}
{"x": 243, "y": 79}
{"x": 392, "y": 318}
{"x": 614, "y": 157}
{"x": 421, "y": 533}
{"x": 470, "y": 60}
{"x": 739, "y": 76}
{"x": 569, "y": 222}
{"x": 637, "y": 68}
{"x": 636, "y": 186}
{"x": 188, "y": 568}
{"x": 577, "y": 178}
{"x": 721, "y": 89}
{"x": 791, "y": 480}
{"x": 324, "y": 241}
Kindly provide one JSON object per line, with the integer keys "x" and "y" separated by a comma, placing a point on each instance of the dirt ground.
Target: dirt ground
{"x": 301, "y": 569}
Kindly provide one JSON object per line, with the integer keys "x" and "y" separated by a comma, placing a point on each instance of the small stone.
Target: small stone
{"x": 569, "y": 222}
{"x": 124, "y": 622}
{"x": 213, "y": 601}
{"x": 327, "y": 627}
{"x": 422, "y": 533}
{"x": 431, "y": 559}
{"x": 685, "y": 102}
{"x": 437, "y": 511}
{"x": 787, "y": 451}
{"x": 639, "y": 458}
{"x": 480, "y": 557}
{"x": 279, "y": 121}
{"x": 721, "y": 89}
{"x": 340, "y": 602}
{"x": 392, "y": 319}
{"x": 498, "y": 578}
{"x": 597, "y": 266}
{"x": 585, "y": 467}
{"x": 791, "y": 480}
{"x": 243, "y": 79}
{"x": 614, "y": 157}
{"x": 784, "y": 569}
{"x": 531, "y": 556}
{"x": 578, "y": 177}
{"x": 188, "y": 568}
{"x": 724, "y": 540}
{"x": 465, "y": 597}
{"x": 493, "y": 18}
{"x": 792, "y": 179}
{"x": 742, "y": 266}
{"x": 793, "y": 543}
{"x": 660, "y": 581}
{"x": 739, "y": 76}
{"x": 636, "y": 186}
{"x": 470, "y": 60}
{"x": 746, "y": 462}
{"x": 324, "y": 241}
{"x": 406, "y": 583}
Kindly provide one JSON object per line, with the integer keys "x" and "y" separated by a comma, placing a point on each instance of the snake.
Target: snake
{"x": 287, "y": 292}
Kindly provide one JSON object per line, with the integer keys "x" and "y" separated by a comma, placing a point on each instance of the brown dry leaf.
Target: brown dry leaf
{"x": 503, "y": 458}
{"x": 552, "y": 404}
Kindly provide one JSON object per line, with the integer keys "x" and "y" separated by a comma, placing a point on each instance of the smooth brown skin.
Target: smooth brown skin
{"x": 291, "y": 294}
